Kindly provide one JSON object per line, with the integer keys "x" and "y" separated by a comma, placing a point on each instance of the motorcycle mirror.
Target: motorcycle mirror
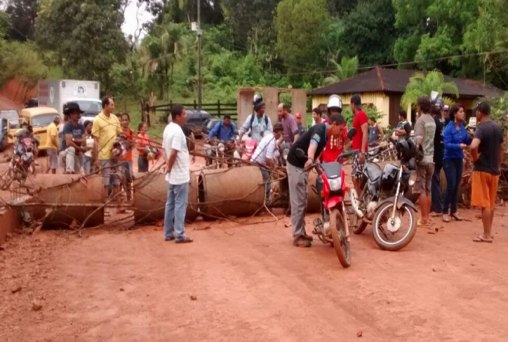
{"x": 351, "y": 133}
{"x": 300, "y": 153}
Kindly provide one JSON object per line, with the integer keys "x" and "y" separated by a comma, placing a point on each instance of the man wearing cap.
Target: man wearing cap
{"x": 265, "y": 155}
{"x": 72, "y": 144}
{"x": 258, "y": 122}
{"x": 288, "y": 123}
{"x": 105, "y": 129}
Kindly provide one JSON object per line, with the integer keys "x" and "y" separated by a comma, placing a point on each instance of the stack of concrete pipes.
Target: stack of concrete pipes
{"x": 60, "y": 200}
{"x": 235, "y": 192}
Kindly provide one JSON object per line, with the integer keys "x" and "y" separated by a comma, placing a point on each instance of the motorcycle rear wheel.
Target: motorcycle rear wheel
{"x": 339, "y": 237}
{"x": 378, "y": 231}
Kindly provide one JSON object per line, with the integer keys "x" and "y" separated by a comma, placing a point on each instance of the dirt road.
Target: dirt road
{"x": 247, "y": 282}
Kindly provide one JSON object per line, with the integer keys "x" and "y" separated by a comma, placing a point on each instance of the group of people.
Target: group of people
{"x": 443, "y": 138}
{"x": 104, "y": 145}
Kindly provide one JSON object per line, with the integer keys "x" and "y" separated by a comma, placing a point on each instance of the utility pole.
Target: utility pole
{"x": 200, "y": 78}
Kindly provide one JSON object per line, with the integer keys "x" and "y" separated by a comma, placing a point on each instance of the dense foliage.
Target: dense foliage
{"x": 302, "y": 43}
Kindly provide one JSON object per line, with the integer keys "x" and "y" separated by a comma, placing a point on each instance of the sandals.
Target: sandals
{"x": 456, "y": 217}
{"x": 481, "y": 238}
{"x": 446, "y": 218}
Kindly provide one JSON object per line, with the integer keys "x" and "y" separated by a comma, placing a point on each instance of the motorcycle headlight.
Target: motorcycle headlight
{"x": 335, "y": 183}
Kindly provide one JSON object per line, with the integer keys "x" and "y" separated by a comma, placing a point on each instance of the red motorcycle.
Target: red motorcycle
{"x": 333, "y": 180}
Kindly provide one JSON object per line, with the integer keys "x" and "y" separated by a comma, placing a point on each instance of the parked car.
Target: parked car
{"x": 13, "y": 120}
{"x": 197, "y": 121}
{"x": 39, "y": 118}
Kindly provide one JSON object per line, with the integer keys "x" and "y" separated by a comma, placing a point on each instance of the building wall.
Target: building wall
{"x": 380, "y": 100}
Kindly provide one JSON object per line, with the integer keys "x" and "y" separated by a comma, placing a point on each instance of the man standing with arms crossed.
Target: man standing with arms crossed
{"x": 360, "y": 141}
{"x": 425, "y": 130}
{"x": 176, "y": 155}
{"x": 105, "y": 129}
{"x": 487, "y": 152}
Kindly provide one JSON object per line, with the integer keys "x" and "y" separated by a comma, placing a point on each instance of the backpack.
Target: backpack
{"x": 252, "y": 120}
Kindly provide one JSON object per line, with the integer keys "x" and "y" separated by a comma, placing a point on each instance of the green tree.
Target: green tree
{"x": 421, "y": 84}
{"x": 160, "y": 51}
{"x": 301, "y": 25}
{"x": 21, "y": 61}
{"x": 346, "y": 68}
{"x": 369, "y": 32}
{"x": 22, "y": 14}
{"x": 86, "y": 36}
{"x": 488, "y": 34}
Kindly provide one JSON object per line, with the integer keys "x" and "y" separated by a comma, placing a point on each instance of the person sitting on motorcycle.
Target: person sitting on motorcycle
{"x": 376, "y": 132}
{"x": 403, "y": 129}
{"x": 266, "y": 153}
{"x": 258, "y": 123}
{"x": 224, "y": 130}
{"x": 73, "y": 142}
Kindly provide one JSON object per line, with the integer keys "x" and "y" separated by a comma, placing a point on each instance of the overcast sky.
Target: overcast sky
{"x": 133, "y": 15}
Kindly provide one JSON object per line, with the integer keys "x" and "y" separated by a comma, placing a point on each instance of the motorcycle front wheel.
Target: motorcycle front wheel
{"x": 340, "y": 238}
{"x": 394, "y": 233}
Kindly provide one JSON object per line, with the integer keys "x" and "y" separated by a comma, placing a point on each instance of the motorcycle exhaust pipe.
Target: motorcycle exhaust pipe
{"x": 355, "y": 203}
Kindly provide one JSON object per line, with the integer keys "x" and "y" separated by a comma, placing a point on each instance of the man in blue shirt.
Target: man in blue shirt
{"x": 224, "y": 130}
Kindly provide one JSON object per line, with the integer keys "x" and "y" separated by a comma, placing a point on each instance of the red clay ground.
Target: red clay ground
{"x": 247, "y": 282}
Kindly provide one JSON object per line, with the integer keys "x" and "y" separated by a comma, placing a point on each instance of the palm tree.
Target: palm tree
{"x": 421, "y": 85}
{"x": 346, "y": 68}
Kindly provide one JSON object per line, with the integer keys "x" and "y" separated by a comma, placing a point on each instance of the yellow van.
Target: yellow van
{"x": 39, "y": 118}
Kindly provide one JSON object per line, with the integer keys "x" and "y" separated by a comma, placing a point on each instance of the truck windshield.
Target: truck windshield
{"x": 12, "y": 116}
{"x": 90, "y": 108}
{"x": 42, "y": 120}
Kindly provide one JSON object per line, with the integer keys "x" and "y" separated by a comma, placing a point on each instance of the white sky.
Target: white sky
{"x": 133, "y": 14}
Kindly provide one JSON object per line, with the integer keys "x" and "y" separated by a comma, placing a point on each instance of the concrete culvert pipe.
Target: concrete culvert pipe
{"x": 150, "y": 194}
{"x": 61, "y": 199}
{"x": 237, "y": 191}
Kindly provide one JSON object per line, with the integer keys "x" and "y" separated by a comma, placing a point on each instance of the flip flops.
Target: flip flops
{"x": 481, "y": 238}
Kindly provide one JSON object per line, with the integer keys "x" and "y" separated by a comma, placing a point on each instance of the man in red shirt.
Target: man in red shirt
{"x": 360, "y": 139}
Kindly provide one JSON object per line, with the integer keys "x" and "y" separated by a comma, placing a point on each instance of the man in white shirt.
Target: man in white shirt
{"x": 265, "y": 154}
{"x": 178, "y": 176}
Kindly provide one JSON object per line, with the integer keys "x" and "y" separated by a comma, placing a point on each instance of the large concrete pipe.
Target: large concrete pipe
{"x": 9, "y": 221}
{"x": 67, "y": 197}
{"x": 150, "y": 193}
{"x": 238, "y": 191}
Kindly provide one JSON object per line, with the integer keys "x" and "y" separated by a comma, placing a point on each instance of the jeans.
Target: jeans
{"x": 268, "y": 183}
{"x": 297, "y": 179}
{"x": 72, "y": 162}
{"x": 175, "y": 210}
{"x": 87, "y": 164}
{"x": 437, "y": 197}
{"x": 453, "y": 171}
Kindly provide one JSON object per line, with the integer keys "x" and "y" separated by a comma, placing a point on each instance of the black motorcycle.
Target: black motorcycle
{"x": 382, "y": 200}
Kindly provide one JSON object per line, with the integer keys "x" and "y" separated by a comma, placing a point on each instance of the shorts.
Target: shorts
{"x": 52, "y": 159}
{"x": 108, "y": 170}
{"x": 423, "y": 181}
{"x": 357, "y": 168}
{"x": 484, "y": 189}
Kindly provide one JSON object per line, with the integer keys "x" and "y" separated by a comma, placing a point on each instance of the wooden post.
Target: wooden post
{"x": 195, "y": 105}
{"x": 218, "y": 108}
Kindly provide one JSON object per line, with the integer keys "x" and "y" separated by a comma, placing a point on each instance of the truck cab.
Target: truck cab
{"x": 39, "y": 118}
{"x": 90, "y": 107}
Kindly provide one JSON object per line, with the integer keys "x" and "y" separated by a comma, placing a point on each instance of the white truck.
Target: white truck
{"x": 55, "y": 93}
